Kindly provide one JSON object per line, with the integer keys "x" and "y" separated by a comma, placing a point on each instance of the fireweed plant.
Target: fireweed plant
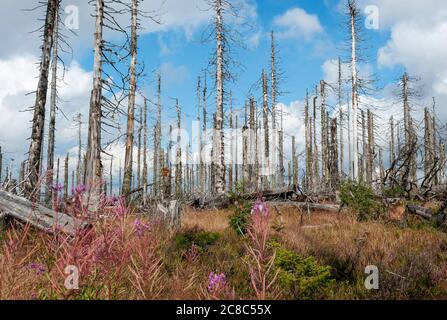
{"x": 261, "y": 257}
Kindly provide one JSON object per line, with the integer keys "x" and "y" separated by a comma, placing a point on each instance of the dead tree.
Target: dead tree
{"x": 315, "y": 153}
{"x": 140, "y": 132}
{"x": 52, "y": 122}
{"x": 37, "y": 135}
{"x": 127, "y": 180}
{"x": 308, "y": 142}
{"x": 370, "y": 147}
{"x": 93, "y": 168}
{"x": 355, "y": 21}
{"x": 294, "y": 164}
{"x": 266, "y": 164}
{"x": 341, "y": 115}
{"x": 157, "y": 141}
{"x": 145, "y": 165}
{"x": 178, "y": 160}
{"x": 230, "y": 167}
{"x": 201, "y": 173}
{"x": 324, "y": 135}
{"x": 66, "y": 177}
{"x": 333, "y": 156}
{"x": 220, "y": 51}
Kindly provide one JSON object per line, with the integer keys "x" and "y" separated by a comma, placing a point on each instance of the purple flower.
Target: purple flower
{"x": 39, "y": 269}
{"x": 58, "y": 187}
{"x": 216, "y": 282}
{"x": 112, "y": 200}
{"x": 261, "y": 208}
{"x": 140, "y": 227}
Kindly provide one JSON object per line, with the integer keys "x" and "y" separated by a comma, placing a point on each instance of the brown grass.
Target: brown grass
{"x": 412, "y": 261}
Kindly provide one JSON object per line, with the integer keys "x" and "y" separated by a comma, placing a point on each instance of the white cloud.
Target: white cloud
{"x": 417, "y": 42}
{"x": 18, "y": 76}
{"x": 296, "y": 23}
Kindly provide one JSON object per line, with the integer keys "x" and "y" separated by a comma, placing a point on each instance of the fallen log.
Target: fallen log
{"x": 18, "y": 208}
{"x": 308, "y": 205}
{"x": 420, "y": 211}
{"x": 271, "y": 194}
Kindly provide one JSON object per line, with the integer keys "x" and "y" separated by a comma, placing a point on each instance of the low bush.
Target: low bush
{"x": 360, "y": 197}
{"x": 301, "y": 277}
{"x": 195, "y": 237}
{"x": 240, "y": 219}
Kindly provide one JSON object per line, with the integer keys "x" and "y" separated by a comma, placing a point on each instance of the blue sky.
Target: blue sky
{"x": 310, "y": 34}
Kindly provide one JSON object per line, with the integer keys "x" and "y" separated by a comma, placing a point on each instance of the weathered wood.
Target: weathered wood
{"x": 171, "y": 213}
{"x": 19, "y": 208}
{"x": 308, "y": 205}
{"x": 420, "y": 211}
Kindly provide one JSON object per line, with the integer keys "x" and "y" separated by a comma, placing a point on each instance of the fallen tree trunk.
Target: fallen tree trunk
{"x": 42, "y": 218}
{"x": 420, "y": 211}
{"x": 427, "y": 214}
{"x": 308, "y": 205}
{"x": 270, "y": 195}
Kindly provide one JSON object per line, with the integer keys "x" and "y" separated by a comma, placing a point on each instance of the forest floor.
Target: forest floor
{"x": 319, "y": 255}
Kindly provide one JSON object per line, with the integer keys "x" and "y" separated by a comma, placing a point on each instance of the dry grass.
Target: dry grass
{"x": 412, "y": 261}
{"x": 209, "y": 220}
{"x": 114, "y": 260}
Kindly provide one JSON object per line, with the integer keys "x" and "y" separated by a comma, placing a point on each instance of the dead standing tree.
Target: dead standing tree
{"x": 37, "y": 135}
{"x": 104, "y": 101}
{"x": 127, "y": 179}
{"x": 225, "y": 37}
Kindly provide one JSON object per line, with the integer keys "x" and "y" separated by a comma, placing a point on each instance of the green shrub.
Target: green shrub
{"x": 360, "y": 197}
{"x": 201, "y": 239}
{"x": 394, "y": 192}
{"x": 301, "y": 277}
{"x": 240, "y": 218}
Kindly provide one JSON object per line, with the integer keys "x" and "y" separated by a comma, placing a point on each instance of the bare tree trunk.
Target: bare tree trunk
{"x": 201, "y": 173}
{"x": 277, "y": 179}
{"x": 364, "y": 172}
{"x": 37, "y": 135}
{"x": 169, "y": 164}
{"x": 157, "y": 141}
{"x": 236, "y": 159}
{"x": 140, "y": 131}
{"x": 127, "y": 180}
{"x": 145, "y": 173}
{"x": 230, "y": 168}
{"x": 308, "y": 141}
{"x": 93, "y": 169}
{"x": 354, "y": 13}
{"x": 295, "y": 164}
{"x": 79, "y": 178}
{"x": 220, "y": 146}
{"x": 178, "y": 170}
{"x": 266, "y": 164}
{"x": 315, "y": 174}
{"x": 111, "y": 176}
{"x": 205, "y": 134}
{"x": 66, "y": 177}
{"x": 370, "y": 148}
{"x": 120, "y": 174}
{"x": 245, "y": 151}
{"x": 333, "y": 158}
{"x": 341, "y": 121}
